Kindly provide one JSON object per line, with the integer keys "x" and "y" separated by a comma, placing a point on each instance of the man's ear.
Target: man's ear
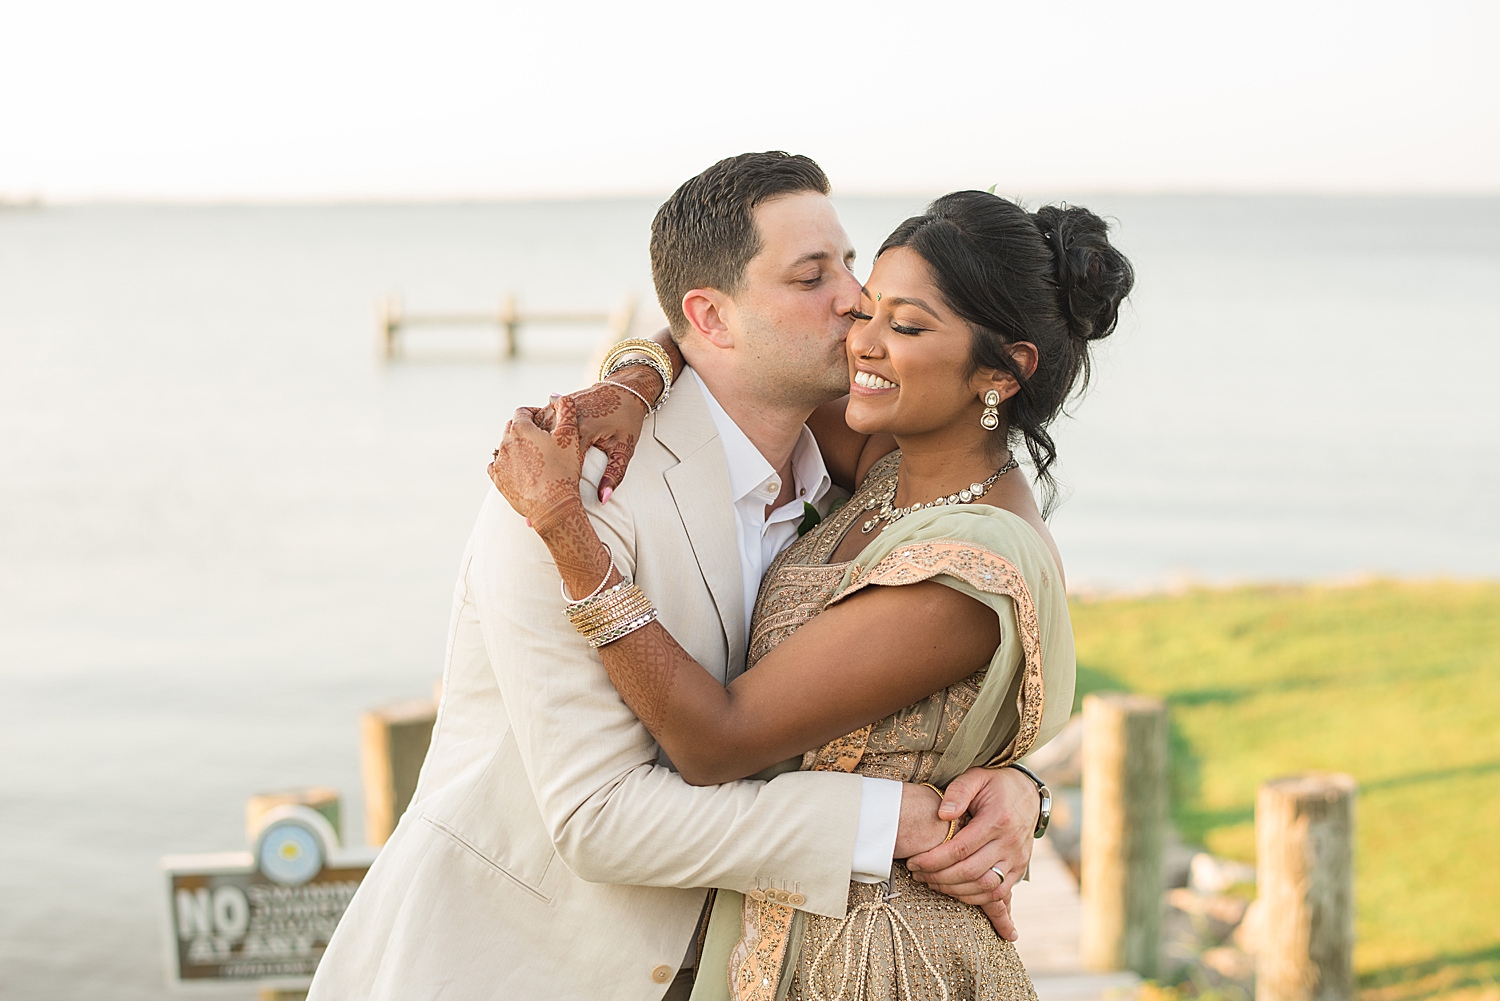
{"x": 705, "y": 309}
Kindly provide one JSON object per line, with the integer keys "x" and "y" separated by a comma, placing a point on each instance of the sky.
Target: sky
{"x": 314, "y": 100}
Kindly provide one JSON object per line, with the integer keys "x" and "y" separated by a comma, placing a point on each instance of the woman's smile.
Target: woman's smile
{"x": 871, "y": 383}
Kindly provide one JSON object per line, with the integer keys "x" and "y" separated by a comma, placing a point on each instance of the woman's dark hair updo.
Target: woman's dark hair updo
{"x": 1050, "y": 277}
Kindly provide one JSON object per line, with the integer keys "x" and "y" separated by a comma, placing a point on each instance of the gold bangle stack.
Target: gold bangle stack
{"x": 628, "y": 352}
{"x": 611, "y": 614}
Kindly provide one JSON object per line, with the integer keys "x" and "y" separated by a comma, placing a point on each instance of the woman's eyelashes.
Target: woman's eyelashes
{"x": 898, "y": 328}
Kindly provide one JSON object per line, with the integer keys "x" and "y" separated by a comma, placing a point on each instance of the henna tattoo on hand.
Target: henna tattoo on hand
{"x": 619, "y": 458}
{"x": 597, "y": 401}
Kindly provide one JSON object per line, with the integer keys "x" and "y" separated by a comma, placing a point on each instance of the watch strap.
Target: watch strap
{"x": 1044, "y": 815}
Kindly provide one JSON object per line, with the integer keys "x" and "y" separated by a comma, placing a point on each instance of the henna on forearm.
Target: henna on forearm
{"x": 643, "y": 667}
{"x": 575, "y": 547}
{"x": 642, "y": 378}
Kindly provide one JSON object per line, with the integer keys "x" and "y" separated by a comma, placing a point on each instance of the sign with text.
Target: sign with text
{"x": 263, "y": 916}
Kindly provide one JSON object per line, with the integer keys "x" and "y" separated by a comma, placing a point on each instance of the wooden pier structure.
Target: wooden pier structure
{"x": 392, "y": 319}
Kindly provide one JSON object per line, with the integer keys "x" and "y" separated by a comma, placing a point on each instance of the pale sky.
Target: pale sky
{"x": 189, "y": 100}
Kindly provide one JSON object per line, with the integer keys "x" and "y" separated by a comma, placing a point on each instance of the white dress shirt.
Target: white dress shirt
{"x": 754, "y": 484}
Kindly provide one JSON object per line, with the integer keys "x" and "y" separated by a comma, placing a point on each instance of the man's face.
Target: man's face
{"x": 792, "y": 312}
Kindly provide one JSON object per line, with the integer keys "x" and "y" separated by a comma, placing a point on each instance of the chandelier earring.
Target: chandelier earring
{"x": 990, "y": 419}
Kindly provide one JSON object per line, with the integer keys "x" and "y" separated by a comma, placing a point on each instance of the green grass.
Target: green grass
{"x": 1397, "y": 684}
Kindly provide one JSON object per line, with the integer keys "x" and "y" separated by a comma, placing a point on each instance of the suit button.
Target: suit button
{"x": 662, "y": 973}
{"x": 797, "y": 900}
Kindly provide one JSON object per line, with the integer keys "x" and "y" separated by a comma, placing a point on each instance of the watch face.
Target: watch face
{"x": 290, "y": 854}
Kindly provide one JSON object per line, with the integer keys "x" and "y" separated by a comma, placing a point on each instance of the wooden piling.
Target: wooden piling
{"x": 393, "y": 745}
{"x": 1304, "y": 842}
{"x": 510, "y": 322}
{"x": 1124, "y": 831}
{"x": 320, "y": 798}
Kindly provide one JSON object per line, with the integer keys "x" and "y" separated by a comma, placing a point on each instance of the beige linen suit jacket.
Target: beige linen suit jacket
{"x": 547, "y": 852}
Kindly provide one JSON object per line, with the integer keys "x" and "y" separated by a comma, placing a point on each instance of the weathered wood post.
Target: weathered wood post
{"x": 387, "y": 323}
{"x": 510, "y": 320}
{"x": 1304, "y": 844}
{"x": 393, "y": 745}
{"x": 1124, "y": 830}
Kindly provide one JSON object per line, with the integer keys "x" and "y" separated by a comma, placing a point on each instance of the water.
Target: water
{"x": 227, "y": 528}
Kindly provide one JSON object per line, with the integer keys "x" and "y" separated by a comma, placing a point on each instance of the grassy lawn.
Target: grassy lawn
{"x": 1397, "y": 684}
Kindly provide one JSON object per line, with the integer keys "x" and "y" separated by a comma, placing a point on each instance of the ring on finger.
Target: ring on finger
{"x": 996, "y": 870}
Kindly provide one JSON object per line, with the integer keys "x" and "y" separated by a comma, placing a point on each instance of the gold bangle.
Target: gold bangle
{"x": 631, "y": 345}
{"x": 655, "y": 356}
{"x": 952, "y": 824}
{"x": 616, "y": 613}
{"x": 626, "y": 604}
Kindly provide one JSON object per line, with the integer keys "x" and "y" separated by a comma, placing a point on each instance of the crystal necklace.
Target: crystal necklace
{"x": 890, "y": 515}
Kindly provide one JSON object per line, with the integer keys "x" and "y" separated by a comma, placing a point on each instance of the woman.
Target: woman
{"x": 919, "y": 630}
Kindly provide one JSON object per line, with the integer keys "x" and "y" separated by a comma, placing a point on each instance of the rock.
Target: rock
{"x": 1247, "y": 935}
{"x": 1176, "y": 862}
{"x": 1229, "y": 963}
{"x": 1227, "y": 911}
{"x": 1208, "y": 874}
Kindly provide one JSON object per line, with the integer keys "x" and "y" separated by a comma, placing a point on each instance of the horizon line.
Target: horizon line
{"x": 31, "y": 201}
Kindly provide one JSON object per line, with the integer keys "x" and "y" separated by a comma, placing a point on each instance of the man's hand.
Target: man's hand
{"x": 919, "y": 828}
{"x": 1004, "y": 806}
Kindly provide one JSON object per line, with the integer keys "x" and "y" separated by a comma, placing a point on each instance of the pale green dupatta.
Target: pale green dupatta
{"x": 996, "y": 558}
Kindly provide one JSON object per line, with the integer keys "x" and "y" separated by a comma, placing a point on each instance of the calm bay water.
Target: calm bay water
{"x": 227, "y": 527}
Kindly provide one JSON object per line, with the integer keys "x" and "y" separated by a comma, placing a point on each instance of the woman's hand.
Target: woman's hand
{"x": 610, "y": 419}
{"x": 538, "y": 471}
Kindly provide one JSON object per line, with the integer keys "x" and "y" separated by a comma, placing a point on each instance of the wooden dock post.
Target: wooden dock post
{"x": 1124, "y": 831}
{"x": 320, "y": 798}
{"x": 393, "y": 744}
{"x": 387, "y": 322}
{"x": 1304, "y": 844}
{"x": 510, "y": 320}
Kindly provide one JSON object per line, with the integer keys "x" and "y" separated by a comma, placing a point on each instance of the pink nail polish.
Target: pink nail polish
{"x": 606, "y": 494}
{"x": 528, "y": 522}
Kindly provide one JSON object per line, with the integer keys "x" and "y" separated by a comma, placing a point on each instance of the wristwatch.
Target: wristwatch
{"x": 1045, "y": 815}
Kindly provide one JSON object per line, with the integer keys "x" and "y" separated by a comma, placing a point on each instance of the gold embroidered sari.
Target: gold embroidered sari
{"x": 899, "y": 939}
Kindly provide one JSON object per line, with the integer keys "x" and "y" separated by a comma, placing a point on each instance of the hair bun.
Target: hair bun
{"x": 1092, "y": 276}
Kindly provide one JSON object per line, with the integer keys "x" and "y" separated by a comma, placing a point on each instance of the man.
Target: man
{"x": 547, "y": 852}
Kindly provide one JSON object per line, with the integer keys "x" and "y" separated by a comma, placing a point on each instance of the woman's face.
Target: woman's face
{"x": 909, "y": 355}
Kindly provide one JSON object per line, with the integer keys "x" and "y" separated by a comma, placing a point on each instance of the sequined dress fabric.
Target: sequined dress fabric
{"x": 900, "y": 940}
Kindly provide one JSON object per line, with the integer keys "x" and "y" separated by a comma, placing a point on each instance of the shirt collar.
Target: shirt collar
{"x": 749, "y": 472}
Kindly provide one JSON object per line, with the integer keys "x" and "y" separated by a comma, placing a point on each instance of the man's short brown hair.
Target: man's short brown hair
{"x": 704, "y": 235}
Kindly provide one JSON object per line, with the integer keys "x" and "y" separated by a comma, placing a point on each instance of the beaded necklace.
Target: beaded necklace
{"x": 890, "y": 515}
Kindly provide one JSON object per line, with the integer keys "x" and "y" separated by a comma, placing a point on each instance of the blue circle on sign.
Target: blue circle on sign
{"x": 290, "y": 854}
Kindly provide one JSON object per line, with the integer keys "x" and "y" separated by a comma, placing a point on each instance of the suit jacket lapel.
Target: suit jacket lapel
{"x": 700, "y": 487}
